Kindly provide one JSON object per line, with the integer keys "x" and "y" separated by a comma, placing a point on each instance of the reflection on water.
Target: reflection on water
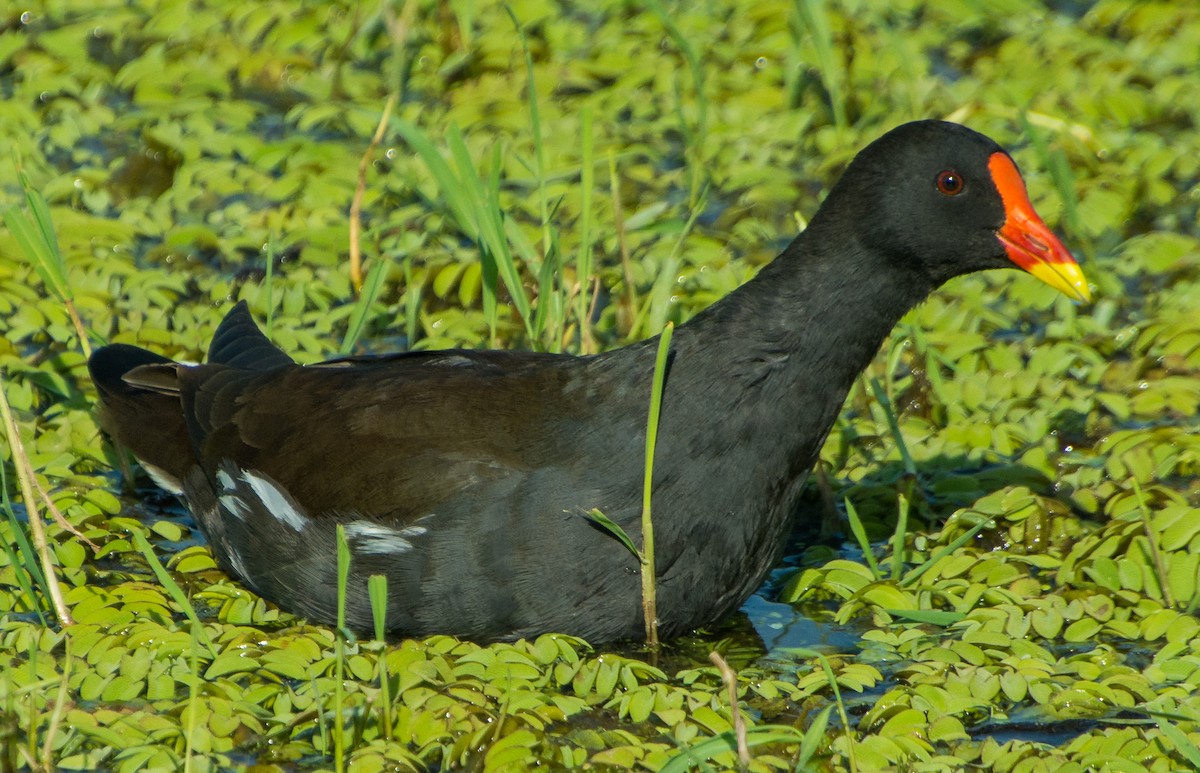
{"x": 782, "y": 627}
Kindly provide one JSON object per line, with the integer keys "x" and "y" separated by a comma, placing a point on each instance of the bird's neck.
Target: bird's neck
{"x": 806, "y": 325}
{"x": 756, "y": 382}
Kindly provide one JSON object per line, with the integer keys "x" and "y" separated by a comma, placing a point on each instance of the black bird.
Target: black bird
{"x": 464, "y": 476}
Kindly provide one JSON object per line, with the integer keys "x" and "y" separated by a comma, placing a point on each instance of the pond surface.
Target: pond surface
{"x": 192, "y": 154}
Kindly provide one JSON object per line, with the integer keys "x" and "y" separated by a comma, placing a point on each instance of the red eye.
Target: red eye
{"x": 949, "y": 182}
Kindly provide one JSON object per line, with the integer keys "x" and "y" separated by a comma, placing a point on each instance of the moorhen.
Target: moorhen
{"x": 465, "y": 476}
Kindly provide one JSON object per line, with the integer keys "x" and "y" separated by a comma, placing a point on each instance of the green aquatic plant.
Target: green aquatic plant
{"x": 1048, "y": 570}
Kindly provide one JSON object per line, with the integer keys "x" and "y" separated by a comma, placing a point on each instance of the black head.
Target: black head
{"x": 948, "y": 201}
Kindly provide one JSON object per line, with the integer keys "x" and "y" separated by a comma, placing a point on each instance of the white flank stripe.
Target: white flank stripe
{"x": 224, "y": 480}
{"x": 275, "y": 501}
{"x": 239, "y": 566}
{"x": 235, "y": 506}
{"x": 163, "y": 479}
{"x": 377, "y": 539}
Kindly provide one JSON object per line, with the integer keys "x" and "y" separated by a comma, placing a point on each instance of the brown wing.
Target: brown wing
{"x": 398, "y": 437}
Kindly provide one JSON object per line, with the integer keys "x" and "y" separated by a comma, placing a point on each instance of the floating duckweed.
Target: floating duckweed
{"x": 1050, "y": 576}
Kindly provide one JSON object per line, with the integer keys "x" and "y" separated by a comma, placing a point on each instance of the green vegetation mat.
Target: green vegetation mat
{"x": 1037, "y": 612}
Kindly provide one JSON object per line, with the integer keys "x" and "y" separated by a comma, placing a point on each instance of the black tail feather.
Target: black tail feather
{"x": 238, "y": 343}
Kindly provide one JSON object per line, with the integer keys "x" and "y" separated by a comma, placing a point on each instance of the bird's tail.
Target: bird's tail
{"x": 140, "y": 404}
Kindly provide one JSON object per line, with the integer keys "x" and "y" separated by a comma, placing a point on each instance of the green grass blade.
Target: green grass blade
{"x": 915, "y": 573}
{"x": 372, "y": 287}
{"x": 548, "y": 306}
{"x": 814, "y": 738}
{"x": 37, "y": 570}
{"x": 269, "y": 281}
{"x": 1182, "y": 743}
{"x": 535, "y": 128}
{"x": 649, "y": 590}
{"x": 34, "y": 232}
{"x": 525, "y": 250}
{"x": 476, "y": 209}
{"x": 498, "y": 231}
{"x": 21, "y": 556}
{"x": 339, "y": 651}
{"x": 860, "y": 535}
{"x": 489, "y": 258}
{"x": 1153, "y": 539}
{"x": 696, "y": 137}
{"x": 37, "y": 252}
{"x": 583, "y": 266}
{"x": 936, "y": 617}
{"x": 453, "y": 190}
{"x": 885, "y": 402}
{"x": 831, "y": 679}
{"x": 172, "y": 588}
{"x": 192, "y": 710}
{"x": 41, "y": 215}
{"x": 613, "y": 528}
{"x": 899, "y": 551}
{"x": 377, "y": 591}
{"x": 485, "y": 200}
{"x": 815, "y": 20}
{"x": 412, "y": 303}
{"x": 653, "y": 315}
{"x": 688, "y": 758}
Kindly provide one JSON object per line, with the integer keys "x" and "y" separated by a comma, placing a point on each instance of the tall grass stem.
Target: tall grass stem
{"x": 1152, "y": 537}
{"x": 654, "y": 315}
{"x": 377, "y": 590}
{"x": 172, "y": 588}
{"x": 339, "y": 651}
{"x": 26, "y": 479}
{"x": 360, "y": 190}
{"x": 696, "y": 137}
{"x": 739, "y": 722}
{"x": 649, "y": 592}
{"x": 860, "y": 534}
{"x": 583, "y": 269}
{"x": 813, "y": 18}
{"x": 34, "y": 233}
{"x": 898, "y": 538}
{"x": 362, "y": 307}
